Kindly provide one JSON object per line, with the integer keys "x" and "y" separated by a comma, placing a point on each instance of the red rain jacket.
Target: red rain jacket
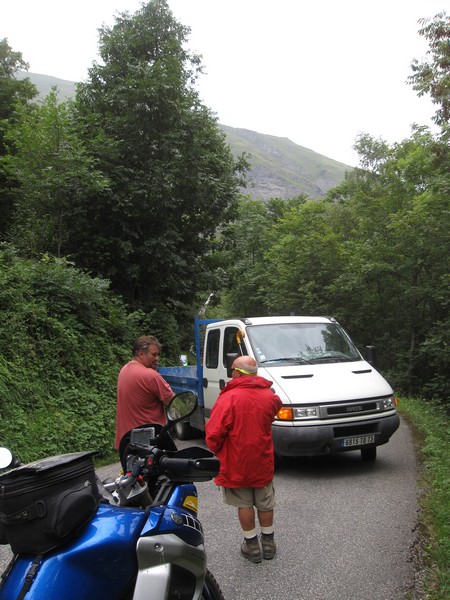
{"x": 239, "y": 432}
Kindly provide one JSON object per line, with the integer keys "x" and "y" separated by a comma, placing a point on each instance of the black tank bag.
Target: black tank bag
{"x": 47, "y": 503}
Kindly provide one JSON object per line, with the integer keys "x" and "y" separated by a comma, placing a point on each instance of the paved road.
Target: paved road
{"x": 344, "y": 530}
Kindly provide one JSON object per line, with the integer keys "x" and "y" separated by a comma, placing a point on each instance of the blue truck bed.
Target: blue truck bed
{"x": 181, "y": 379}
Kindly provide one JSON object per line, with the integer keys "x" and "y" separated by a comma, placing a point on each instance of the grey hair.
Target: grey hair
{"x": 143, "y": 342}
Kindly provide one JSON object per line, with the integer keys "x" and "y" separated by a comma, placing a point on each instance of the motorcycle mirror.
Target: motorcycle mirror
{"x": 181, "y": 406}
{"x": 6, "y": 458}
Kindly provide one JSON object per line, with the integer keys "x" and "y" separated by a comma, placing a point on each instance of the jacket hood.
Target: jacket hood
{"x": 254, "y": 381}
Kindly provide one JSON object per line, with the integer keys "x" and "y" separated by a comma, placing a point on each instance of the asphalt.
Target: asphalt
{"x": 344, "y": 529}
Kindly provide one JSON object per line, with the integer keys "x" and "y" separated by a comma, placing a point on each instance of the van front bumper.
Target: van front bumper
{"x": 302, "y": 439}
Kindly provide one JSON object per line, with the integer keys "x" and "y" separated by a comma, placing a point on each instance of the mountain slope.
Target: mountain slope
{"x": 282, "y": 169}
{"x": 279, "y": 167}
{"x": 45, "y": 83}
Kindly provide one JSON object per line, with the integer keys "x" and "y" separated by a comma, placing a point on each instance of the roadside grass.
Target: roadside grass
{"x": 111, "y": 458}
{"x": 430, "y": 424}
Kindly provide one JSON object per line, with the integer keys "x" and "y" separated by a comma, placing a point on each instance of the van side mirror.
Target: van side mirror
{"x": 231, "y": 357}
{"x": 371, "y": 355}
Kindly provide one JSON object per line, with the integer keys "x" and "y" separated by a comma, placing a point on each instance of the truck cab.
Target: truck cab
{"x": 333, "y": 400}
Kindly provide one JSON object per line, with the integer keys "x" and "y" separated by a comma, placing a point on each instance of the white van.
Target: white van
{"x": 333, "y": 400}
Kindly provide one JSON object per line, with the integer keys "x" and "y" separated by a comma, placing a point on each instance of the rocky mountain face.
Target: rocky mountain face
{"x": 282, "y": 169}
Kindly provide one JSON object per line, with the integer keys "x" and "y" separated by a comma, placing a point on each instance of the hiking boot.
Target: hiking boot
{"x": 251, "y": 550}
{"x": 268, "y": 546}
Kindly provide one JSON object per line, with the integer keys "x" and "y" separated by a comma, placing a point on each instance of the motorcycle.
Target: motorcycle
{"x": 133, "y": 537}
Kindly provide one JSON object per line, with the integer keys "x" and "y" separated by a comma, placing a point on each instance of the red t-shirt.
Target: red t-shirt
{"x": 141, "y": 394}
{"x": 239, "y": 431}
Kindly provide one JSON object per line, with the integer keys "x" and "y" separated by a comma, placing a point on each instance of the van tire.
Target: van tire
{"x": 369, "y": 454}
{"x": 183, "y": 430}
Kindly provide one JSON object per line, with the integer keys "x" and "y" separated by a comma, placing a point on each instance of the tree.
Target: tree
{"x": 173, "y": 178}
{"x": 302, "y": 259}
{"x": 54, "y": 172}
{"x": 432, "y": 76}
{"x": 12, "y": 90}
{"x": 239, "y": 255}
{"x": 396, "y": 268}
{"x": 13, "y": 93}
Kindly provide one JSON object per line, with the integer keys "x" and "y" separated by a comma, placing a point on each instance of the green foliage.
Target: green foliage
{"x": 173, "y": 178}
{"x": 398, "y": 259}
{"x": 64, "y": 338}
{"x": 12, "y": 90}
{"x": 241, "y": 246}
{"x": 13, "y": 94}
{"x": 432, "y": 76}
{"x": 432, "y": 422}
{"x": 303, "y": 258}
{"x": 55, "y": 175}
{"x": 374, "y": 254}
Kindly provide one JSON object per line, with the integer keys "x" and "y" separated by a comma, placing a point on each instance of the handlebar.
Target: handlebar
{"x": 180, "y": 464}
{"x": 191, "y": 468}
{"x": 159, "y": 469}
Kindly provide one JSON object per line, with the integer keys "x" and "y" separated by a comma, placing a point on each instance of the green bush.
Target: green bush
{"x": 64, "y": 337}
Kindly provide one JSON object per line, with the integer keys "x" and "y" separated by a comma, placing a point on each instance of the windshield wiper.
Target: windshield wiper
{"x": 333, "y": 358}
{"x": 293, "y": 359}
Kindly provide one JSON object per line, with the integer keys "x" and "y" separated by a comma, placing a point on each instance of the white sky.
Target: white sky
{"x": 318, "y": 72}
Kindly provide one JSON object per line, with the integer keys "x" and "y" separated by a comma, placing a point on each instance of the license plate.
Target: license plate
{"x": 361, "y": 440}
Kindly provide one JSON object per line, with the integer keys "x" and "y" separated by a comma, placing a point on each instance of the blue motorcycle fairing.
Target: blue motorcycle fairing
{"x": 185, "y": 496}
{"x": 102, "y": 558}
{"x": 176, "y": 517}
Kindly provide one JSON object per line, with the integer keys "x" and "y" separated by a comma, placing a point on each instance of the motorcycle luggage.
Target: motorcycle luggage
{"x": 47, "y": 503}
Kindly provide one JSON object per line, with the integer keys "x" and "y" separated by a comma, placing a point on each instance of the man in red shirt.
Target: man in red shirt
{"x": 239, "y": 432}
{"x": 141, "y": 391}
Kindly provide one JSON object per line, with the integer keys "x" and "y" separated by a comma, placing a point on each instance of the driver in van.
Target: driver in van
{"x": 142, "y": 393}
{"x": 239, "y": 432}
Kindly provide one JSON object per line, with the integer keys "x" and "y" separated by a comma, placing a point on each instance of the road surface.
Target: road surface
{"x": 344, "y": 529}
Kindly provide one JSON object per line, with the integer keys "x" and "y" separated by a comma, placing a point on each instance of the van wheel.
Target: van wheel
{"x": 183, "y": 430}
{"x": 369, "y": 454}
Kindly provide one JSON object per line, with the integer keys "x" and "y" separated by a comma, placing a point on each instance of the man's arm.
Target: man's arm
{"x": 161, "y": 389}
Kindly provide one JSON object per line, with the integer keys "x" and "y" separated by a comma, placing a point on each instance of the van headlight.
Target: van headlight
{"x": 306, "y": 412}
{"x": 389, "y": 403}
{"x": 297, "y": 413}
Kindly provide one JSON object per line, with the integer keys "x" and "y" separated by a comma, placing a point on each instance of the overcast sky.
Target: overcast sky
{"x": 317, "y": 72}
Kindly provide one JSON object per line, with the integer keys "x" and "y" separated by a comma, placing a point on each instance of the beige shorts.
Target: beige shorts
{"x": 262, "y": 498}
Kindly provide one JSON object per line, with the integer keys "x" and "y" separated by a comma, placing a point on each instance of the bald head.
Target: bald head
{"x": 247, "y": 364}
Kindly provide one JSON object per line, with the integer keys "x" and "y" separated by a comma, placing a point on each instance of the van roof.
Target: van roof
{"x": 277, "y": 320}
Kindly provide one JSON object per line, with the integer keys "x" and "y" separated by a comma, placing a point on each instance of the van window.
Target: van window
{"x": 231, "y": 345}
{"x": 307, "y": 342}
{"x": 212, "y": 349}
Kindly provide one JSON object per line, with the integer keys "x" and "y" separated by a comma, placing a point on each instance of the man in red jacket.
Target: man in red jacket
{"x": 239, "y": 432}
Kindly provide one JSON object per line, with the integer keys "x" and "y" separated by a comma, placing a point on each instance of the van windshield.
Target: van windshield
{"x": 309, "y": 343}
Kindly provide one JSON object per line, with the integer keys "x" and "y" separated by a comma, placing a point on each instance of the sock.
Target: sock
{"x": 249, "y": 535}
{"x": 267, "y": 531}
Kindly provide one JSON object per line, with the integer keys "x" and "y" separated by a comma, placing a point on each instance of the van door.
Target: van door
{"x": 219, "y": 342}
